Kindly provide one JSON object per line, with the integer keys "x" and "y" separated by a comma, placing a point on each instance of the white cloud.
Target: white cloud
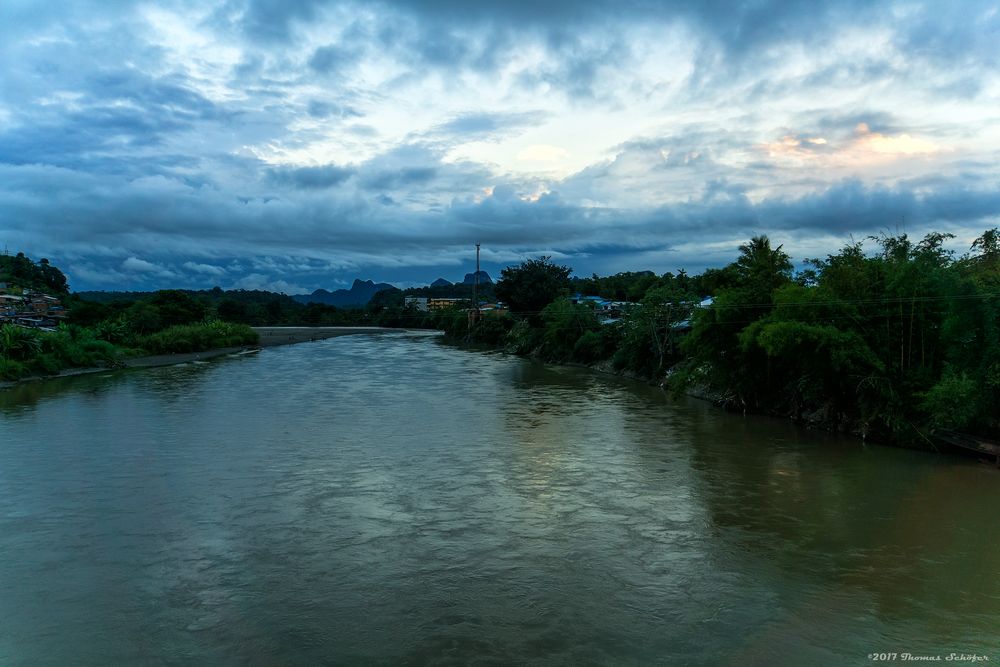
{"x": 206, "y": 269}
{"x": 542, "y": 153}
{"x": 137, "y": 265}
{"x": 259, "y": 281}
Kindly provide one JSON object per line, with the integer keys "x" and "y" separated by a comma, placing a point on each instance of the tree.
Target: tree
{"x": 18, "y": 343}
{"x": 534, "y": 284}
{"x": 53, "y": 278}
{"x": 762, "y": 269}
{"x": 231, "y": 310}
{"x": 177, "y": 307}
{"x": 744, "y": 294}
{"x": 143, "y": 317}
{"x": 565, "y": 322}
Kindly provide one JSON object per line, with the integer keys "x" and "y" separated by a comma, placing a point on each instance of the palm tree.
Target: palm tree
{"x": 762, "y": 268}
{"x": 18, "y": 342}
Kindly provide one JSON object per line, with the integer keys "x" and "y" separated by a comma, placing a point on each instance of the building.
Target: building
{"x": 34, "y": 309}
{"x": 441, "y": 304}
{"x": 497, "y": 308}
{"x": 416, "y": 302}
{"x": 605, "y": 310}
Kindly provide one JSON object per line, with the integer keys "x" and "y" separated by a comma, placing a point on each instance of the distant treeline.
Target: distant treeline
{"x": 262, "y": 308}
{"x": 252, "y": 307}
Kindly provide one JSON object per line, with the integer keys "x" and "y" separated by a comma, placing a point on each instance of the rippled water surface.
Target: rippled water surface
{"x": 391, "y": 499}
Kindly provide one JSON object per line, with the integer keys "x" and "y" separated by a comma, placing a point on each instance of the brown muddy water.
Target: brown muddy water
{"x": 390, "y": 499}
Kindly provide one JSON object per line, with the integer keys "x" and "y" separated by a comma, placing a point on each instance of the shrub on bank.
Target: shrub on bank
{"x": 75, "y": 347}
{"x": 11, "y": 370}
{"x": 25, "y": 352}
{"x": 183, "y": 338}
{"x": 491, "y": 329}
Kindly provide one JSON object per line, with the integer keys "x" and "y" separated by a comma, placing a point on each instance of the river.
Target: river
{"x": 390, "y": 498}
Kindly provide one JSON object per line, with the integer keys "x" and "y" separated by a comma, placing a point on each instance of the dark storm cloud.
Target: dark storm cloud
{"x": 312, "y": 177}
{"x": 418, "y": 174}
{"x": 400, "y": 178}
{"x": 115, "y": 110}
{"x": 159, "y": 221}
{"x": 480, "y": 35}
{"x": 580, "y": 65}
{"x": 150, "y": 93}
{"x": 738, "y": 26}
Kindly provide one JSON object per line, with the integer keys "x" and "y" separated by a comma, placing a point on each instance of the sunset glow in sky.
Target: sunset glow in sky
{"x": 290, "y": 145}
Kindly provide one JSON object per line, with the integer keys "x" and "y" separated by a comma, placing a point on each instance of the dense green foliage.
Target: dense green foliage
{"x": 886, "y": 343}
{"x": 32, "y": 352}
{"x": 105, "y": 334}
{"x": 531, "y": 286}
{"x": 197, "y": 337}
{"x": 26, "y": 352}
{"x": 21, "y": 271}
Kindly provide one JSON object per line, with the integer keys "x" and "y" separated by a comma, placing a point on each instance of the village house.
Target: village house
{"x": 605, "y": 310}
{"x": 32, "y": 309}
{"x": 440, "y": 304}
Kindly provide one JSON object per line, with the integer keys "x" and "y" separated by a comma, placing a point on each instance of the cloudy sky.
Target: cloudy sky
{"x": 296, "y": 144}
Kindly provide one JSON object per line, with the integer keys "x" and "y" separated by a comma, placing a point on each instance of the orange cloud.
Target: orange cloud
{"x": 864, "y": 147}
{"x": 902, "y": 144}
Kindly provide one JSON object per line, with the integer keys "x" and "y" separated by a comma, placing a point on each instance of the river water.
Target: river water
{"x": 391, "y": 499}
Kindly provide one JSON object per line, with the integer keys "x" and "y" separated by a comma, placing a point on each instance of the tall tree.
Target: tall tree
{"x": 532, "y": 285}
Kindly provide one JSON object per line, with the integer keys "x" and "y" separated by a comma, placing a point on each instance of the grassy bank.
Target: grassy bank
{"x": 30, "y": 352}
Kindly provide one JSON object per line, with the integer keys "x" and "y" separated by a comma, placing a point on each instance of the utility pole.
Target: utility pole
{"x": 474, "y": 311}
{"x": 475, "y": 289}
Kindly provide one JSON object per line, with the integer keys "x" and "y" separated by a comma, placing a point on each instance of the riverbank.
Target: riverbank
{"x": 819, "y": 418}
{"x": 269, "y": 337}
{"x": 152, "y": 361}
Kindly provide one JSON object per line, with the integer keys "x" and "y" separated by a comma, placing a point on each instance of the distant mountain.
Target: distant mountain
{"x": 361, "y": 293}
{"x": 441, "y": 282}
{"x": 470, "y": 278}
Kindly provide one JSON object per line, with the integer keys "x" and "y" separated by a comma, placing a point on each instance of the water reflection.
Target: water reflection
{"x": 168, "y": 380}
{"x": 903, "y": 535}
{"x": 23, "y": 397}
{"x": 395, "y": 499}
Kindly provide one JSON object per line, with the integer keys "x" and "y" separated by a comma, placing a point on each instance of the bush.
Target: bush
{"x": 45, "y": 364}
{"x": 18, "y": 343}
{"x": 951, "y": 403}
{"x": 491, "y": 329}
{"x": 11, "y": 370}
{"x": 590, "y": 347}
{"x": 522, "y": 338}
{"x": 184, "y": 338}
